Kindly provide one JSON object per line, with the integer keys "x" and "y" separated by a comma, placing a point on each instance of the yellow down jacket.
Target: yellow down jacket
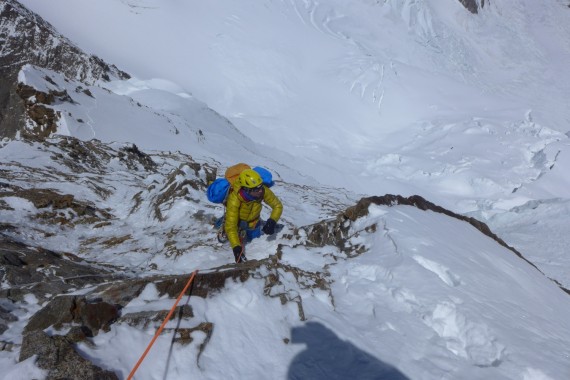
{"x": 238, "y": 209}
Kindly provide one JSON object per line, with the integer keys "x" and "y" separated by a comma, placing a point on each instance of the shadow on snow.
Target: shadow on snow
{"x": 328, "y": 357}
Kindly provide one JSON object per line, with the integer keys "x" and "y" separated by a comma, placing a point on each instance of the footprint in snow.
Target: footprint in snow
{"x": 464, "y": 338}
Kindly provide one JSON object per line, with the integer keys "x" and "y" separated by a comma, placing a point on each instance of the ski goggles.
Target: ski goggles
{"x": 254, "y": 190}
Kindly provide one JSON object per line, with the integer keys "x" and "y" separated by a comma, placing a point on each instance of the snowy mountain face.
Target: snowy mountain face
{"x": 385, "y": 90}
{"x": 362, "y": 282}
{"x": 27, "y": 38}
{"x": 400, "y": 97}
{"x": 103, "y": 214}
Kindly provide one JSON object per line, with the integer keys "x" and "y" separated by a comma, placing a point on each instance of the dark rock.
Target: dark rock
{"x": 472, "y": 5}
{"x": 143, "y": 318}
{"x": 5, "y": 318}
{"x": 204, "y": 284}
{"x": 6, "y": 346}
{"x": 42, "y": 272}
{"x": 57, "y": 355}
{"x": 48, "y": 198}
{"x": 79, "y": 334}
{"x": 25, "y": 38}
{"x": 96, "y": 316}
{"x": 44, "y": 118}
{"x": 56, "y": 313}
{"x": 63, "y": 310}
{"x": 133, "y": 154}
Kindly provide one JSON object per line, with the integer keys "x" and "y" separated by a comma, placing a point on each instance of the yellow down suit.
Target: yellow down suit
{"x": 239, "y": 209}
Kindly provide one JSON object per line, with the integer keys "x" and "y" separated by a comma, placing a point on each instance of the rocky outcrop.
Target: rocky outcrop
{"x": 81, "y": 317}
{"x": 25, "y": 38}
{"x": 103, "y": 296}
{"x": 26, "y": 272}
{"x": 473, "y": 6}
{"x": 56, "y": 208}
{"x": 57, "y": 355}
{"x": 336, "y": 231}
{"x": 43, "y": 273}
{"x": 44, "y": 119}
{"x": 361, "y": 209}
{"x": 91, "y": 315}
{"x": 97, "y": 168}
{"x": 5, "y": 318}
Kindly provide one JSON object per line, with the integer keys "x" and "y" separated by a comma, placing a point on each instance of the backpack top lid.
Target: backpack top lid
{"x": 233, "y": 172}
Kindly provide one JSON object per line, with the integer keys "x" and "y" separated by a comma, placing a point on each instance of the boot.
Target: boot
{"x": 222, "y": 237}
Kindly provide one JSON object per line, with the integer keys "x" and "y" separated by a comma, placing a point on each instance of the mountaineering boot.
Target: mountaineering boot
{"x": 219, "y": 222}
{"x": 222, "y": 237}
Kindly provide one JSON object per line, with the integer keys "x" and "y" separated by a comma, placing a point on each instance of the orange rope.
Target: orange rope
{"x": 241, "y": 239}
{"x": 162, "y": 326}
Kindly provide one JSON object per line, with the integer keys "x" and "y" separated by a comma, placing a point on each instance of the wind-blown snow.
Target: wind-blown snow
{"x": 429, "y": 299}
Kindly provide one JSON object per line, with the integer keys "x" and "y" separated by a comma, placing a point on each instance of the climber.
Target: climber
{"x": 243, "y": 211}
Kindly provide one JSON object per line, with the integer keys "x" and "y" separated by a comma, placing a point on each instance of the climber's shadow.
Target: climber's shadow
{"x": 328, "y": 357}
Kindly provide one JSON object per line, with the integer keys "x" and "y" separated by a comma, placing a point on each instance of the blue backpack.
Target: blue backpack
{"x": 265, "y": 175}
{"x": 220, "y": 188}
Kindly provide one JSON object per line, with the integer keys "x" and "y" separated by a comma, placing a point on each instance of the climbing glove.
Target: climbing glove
{"x": 269, "y": 227}
{"x": 237, "y": 253}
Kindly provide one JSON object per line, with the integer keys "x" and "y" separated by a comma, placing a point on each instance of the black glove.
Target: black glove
{"x": 269, "y": 227}
{"x": 237, "y": 253}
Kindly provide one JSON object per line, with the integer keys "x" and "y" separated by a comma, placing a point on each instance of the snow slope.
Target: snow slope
{"x": 366, "y": 88}
{"x": 408, "y": 294}
{"x": 365, "y": 97}
{"x": 486, "y": 167}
